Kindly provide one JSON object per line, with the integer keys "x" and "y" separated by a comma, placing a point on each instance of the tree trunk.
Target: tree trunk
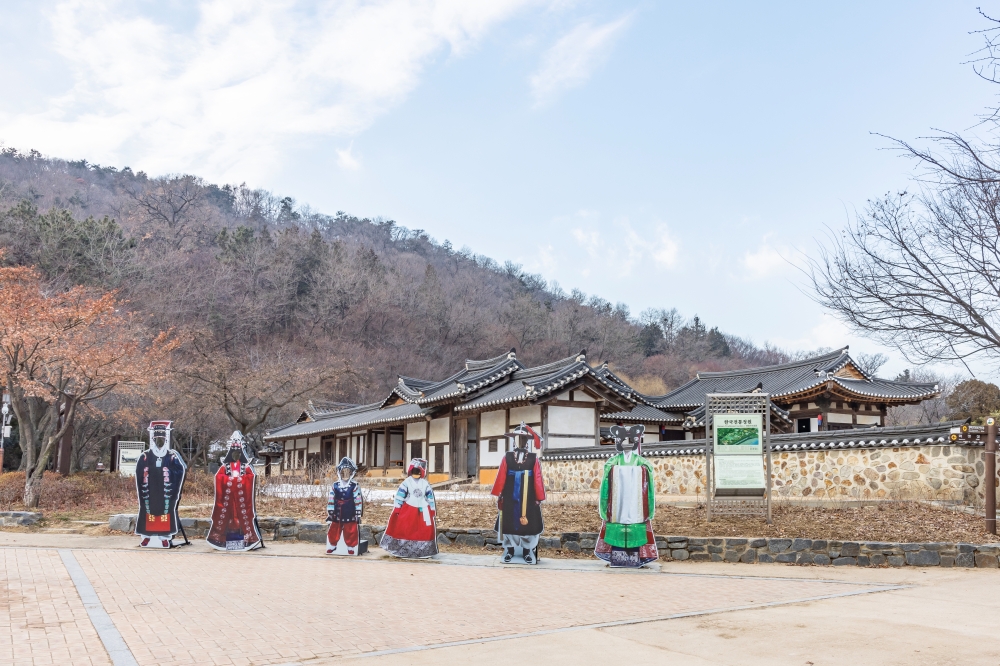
{"x": 32, "y": 491}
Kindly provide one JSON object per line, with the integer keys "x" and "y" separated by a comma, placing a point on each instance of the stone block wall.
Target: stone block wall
{"x": 951, "y": 473}
{"x": 695, "y": 549}
{"x": 836, "y": 553}
{"x": 19, "y": 518}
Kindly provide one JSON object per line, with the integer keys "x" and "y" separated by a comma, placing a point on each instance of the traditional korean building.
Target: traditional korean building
{"x": 828, "y": 392}
{"x": 458, "y": 423}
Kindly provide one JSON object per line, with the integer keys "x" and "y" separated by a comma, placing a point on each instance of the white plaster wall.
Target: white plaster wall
{"x": 313, "y": 445}
{"x": 493, "y": 424}
{"x": 582, "y": 396}
{"x": 530, "y": 414}
{"x": 571, "y": 421}
{"x": 396, "y": 447}
{"x": 563, "y": 396}
{"x": 416, "y": 430}
{"x": 487, "y": 459}
{"x": 840, "y": 418}
{"x": 379, "y": 449}
{"x": 447, "y": 458}
{"x": 864, "y": 419}
{"x": 440, "y": 431}
{"x": 556, "y": 442}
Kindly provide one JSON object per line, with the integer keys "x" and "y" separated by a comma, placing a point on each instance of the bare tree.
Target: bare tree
{"x": 249, "y": 384}
{"x": 928, "y": 412}
{"x": 871, "y": 363}
{"x": 920, "y": 272}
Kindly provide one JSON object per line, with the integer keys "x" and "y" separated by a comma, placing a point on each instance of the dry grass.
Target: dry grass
{"x": 91, "y": 495}
{"x": 890, "y": 521}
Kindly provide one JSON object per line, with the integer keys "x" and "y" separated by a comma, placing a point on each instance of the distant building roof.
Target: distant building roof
{"x": 834, "y": 373}
{"x": 505, "y": 381}
{"x": 502, "y": 380}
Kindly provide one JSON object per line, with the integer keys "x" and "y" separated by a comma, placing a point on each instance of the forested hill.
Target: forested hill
{"x": 264, "y": 281}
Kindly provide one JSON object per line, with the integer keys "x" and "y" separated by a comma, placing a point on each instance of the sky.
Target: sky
{"x": 660, "y": 154}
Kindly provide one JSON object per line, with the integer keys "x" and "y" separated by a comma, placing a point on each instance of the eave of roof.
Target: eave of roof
{"x": 790, "y": 381}
{"x": 645, "y": 414}
{"x": 364, "y": 417}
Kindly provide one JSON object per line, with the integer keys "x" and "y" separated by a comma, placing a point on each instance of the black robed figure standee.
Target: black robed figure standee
{"x": 520, "y": 491}
{"x": 159, "y": 480}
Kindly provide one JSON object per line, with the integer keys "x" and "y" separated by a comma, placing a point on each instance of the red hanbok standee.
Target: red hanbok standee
{"x": 234, "y": 517}
{"x": 412, "y": 530}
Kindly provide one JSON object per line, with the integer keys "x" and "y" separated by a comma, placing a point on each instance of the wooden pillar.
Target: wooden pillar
{"x": 114, "y": 454}
{"x": 65, "y": 451}
{"x": 388, "y": 449}
{"x": 461, "y": 445}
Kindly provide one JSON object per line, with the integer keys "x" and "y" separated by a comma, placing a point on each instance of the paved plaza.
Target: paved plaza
{"x": 73, "y": 599}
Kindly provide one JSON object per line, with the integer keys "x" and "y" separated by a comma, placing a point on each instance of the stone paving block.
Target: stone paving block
{"x": 779, "y": 545}
{"x": 923, "y": 558}
{"x": 122, "y": 522}
{"x": 986, "y": 561}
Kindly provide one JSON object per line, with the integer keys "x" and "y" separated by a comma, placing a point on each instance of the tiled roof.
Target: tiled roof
{"x": 856, "y": 438}
{"x": 351, "y": 419}
{"x": 646, "y": 414}
{"x": 698, "y": 416}
{"x": 790, "y": 379}
{"x": 532, "y": 383}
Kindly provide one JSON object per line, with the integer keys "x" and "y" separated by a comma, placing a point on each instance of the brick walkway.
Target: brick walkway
{"x": 218, "y": 608}
{"x": 42, "y": 619}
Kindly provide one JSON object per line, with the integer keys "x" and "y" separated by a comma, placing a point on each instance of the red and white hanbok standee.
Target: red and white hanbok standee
{"x": 234, "y": 516}
{"x": 412, "y": 529}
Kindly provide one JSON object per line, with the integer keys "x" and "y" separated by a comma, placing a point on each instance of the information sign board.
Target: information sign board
{"x": 738, "y": 434}
{"x": 128, "y": 455}
{"x": 735, "y": 472}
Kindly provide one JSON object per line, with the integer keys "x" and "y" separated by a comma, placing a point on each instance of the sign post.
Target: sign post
{"x": 738, "y": 453}
{"x": 990, "y": 490}
{"x": 987, "y": 436}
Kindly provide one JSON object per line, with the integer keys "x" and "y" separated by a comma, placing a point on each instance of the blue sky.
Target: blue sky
{"x": 661, "y": 154}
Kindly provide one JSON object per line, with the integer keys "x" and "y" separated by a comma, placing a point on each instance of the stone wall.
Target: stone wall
{"x": 951, "y": 473}
{"x": 696, "y": 549}
{"x": 19, "y": 518}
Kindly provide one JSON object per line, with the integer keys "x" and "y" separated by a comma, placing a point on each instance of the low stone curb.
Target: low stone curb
{"x": 819, "y": 552}
{"x": 836, "y": 553}
{"x": 19, "y": 518}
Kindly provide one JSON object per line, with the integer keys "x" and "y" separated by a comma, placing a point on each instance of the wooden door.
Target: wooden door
{"x": 472, "y": 446}
{"x": 460, "y": 446}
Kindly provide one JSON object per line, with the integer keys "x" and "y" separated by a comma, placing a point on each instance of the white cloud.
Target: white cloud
{"x": 572, "y": 59}
{"x": 346, "y": 160}
{"x": 589, "y": 240}
{"x": 629, "y": 248}
{"x": 766, "y": 260}
{"x": 665, "y": 248}
{"x": 227, "y": 95}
